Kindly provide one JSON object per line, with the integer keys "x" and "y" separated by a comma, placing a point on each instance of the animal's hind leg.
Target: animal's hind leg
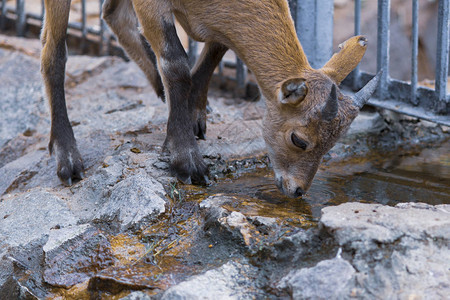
{"x": 121, "y": 18}
{"x": 157, "y": 21}
{"x": 211, "y": 55}
{"x": 53, "y": 62}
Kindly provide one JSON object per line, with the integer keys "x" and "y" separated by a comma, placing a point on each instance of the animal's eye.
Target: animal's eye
{"x": 298, "y": 142}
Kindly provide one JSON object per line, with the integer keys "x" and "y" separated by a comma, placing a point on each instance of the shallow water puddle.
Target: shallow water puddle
{"x": 419, "y": 177}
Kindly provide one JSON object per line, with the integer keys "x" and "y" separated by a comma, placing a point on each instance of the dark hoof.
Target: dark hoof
{"x": 188, "y": 166}
{"x": 189, "y": 173}
{"x": 200, "y": 126}
{"x": 70, "y": 171}
{"x": 69, "y": 165}
{"x": 200, "y": 129}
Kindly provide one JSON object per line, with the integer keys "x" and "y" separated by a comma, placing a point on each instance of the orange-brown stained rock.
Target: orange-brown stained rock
{"x": 77, "y": 259}
{"x": 126, "y": 249}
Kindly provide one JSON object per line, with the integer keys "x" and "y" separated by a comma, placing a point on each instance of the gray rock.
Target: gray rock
{"x": 22, "y": 101}
{"x": 329, "y": 279}
{"x": 124, "y": 75}
{"x": 136, "y": 199}
{"x": 21, "y": 108}
{"x": 239, "y": 139}
{"x": 58, "y": 237}
{"x": 384, "y": 224}
{"x": 21, "y": 271}
{"x": 80, "y": 67}
{"x": 17, "y": 147}
{"x": 19, "y": 170}
{"x": 137, "y": 296}
{"x": 264, "y": 224}
{"x": 213, "y": 207}
{"x": 13, "y": 289}
{"x": 91, "y": 193}
{"x": 231, "y": 281}
{"x": 399, "y": 252}
{"x": 367, "y": 123}
{"x": 234, "y": 223}
{"x": 26, "y": 217}
{"x": 18, "y": 69}
{"x": 6, "y": 273}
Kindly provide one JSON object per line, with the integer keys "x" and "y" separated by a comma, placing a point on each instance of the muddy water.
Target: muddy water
{"x": 412, "y": 176}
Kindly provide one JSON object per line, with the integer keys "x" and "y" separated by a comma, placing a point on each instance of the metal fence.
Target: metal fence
{"x": 314, "y": 22}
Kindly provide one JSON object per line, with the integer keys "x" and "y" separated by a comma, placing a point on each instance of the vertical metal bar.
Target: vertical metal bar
{"x": 21, "y": 21}
{"x": 306, "y": 30}
{"x": 3, "y": 18}
{"x": 442, "y": 58}
{"x": 415, "y": 51}
{"x": 315, "y": 30}
{"x": 241, "y": 74}
{"x": 324, "y": 31}
{"x": 293, "y": 10}
{"x": 83, "y": 26}
{"x": 383, "y": 46}
{"x": 192, "y": 52}
{"x": 357, "y": 17}
{"x": 42, "y": 11}
{"x": 102, "y": 45}
{"x": 221, "y": 75}
{"x": 356, "y": 72}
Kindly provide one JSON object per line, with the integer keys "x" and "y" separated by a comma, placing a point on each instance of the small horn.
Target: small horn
{"x": 363, "y": 96}
{"x": 330, "y": 109}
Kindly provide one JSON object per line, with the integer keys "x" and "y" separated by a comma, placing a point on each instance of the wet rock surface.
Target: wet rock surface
{"x": 129, "y": 230}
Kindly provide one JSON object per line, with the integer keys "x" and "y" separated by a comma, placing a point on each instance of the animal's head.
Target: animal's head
{"x": 310, "y": 115}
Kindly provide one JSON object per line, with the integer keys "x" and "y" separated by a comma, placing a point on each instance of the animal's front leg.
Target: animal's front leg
{"x": 156, "y": 19}
{"x": 53, "y": 61}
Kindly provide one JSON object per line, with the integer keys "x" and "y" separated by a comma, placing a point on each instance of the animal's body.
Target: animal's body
{"x": 306, "y": 113}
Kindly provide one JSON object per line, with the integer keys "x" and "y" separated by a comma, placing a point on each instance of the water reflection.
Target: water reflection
{"x": 424, "y": 177}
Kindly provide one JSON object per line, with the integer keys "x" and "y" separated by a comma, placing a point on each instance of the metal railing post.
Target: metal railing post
{"x": 314, "y": 24}
{"x": 83, "y": 26}
{"x": 384, "y": 8}
{"x": 357, "y": 72}
{"x": 241, "y": 77}
{"x": 415, "y": 51}
{"x": 103, "y": 46}
{"x": 21, "y": 21}
{"x": 442, "y": 59}
{"x": 192, "y": 52}
{"x": 42, "y": 11}
{"x": 3, "y": 17}
{"x": 293, "y": 10}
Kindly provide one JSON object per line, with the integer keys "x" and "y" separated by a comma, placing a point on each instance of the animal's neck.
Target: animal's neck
{"x": 273, "y": 52}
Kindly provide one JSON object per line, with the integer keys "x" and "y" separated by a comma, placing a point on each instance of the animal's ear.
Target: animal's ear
{"x": 293, "y": 91}
{"x": 342, "y": 63}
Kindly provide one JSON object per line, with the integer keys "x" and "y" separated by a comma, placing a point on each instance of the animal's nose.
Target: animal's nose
{"x": 299, "y": 192}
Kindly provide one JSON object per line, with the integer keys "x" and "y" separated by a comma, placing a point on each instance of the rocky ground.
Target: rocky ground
{"x": 130, "y": 231}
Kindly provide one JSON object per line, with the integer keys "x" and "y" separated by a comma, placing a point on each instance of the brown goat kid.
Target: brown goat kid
{"x": 306, "y": 112}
